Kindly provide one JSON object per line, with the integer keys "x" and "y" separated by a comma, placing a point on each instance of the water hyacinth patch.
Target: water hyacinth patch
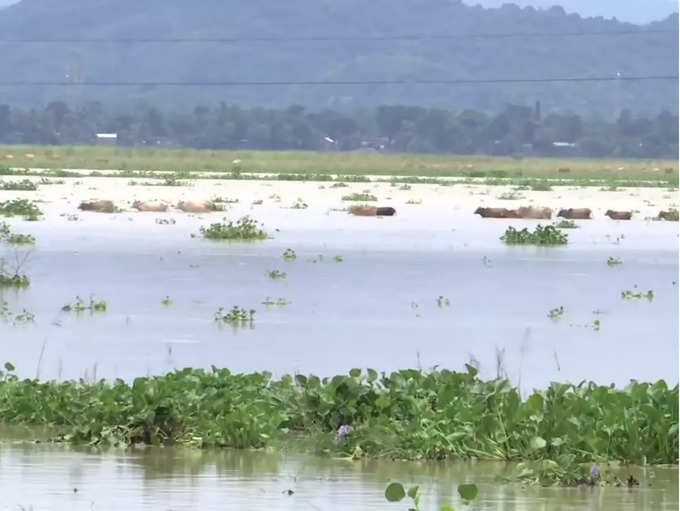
{"x": 79, "y": 305}
{"x": 237, "y": 316}
{"x": 25, "y": 185}
{"x": 289, "y": 255}
{"x": 548, "y": 235}
{"x": 363, "y": 197}
{"x": 244, "y": 229}
{"x": 20, "y": 207}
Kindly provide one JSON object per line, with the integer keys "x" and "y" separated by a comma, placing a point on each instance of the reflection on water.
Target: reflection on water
{"x": 47, "y": 478}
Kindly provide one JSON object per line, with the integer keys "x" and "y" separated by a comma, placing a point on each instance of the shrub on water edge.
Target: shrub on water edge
{"x": 244, "y": 229}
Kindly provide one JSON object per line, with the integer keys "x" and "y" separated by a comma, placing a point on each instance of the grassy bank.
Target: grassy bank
{"x": 340, "y": 163}
{"x": 408, "y": 414}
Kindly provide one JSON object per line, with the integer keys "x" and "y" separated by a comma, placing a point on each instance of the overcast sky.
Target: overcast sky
{"x": 636, "y": 11}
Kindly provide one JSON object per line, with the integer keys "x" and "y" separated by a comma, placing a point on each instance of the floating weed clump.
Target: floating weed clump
{"x": 276, "y": 274}
{"x": 596, "y": 325}
{"x": 405, "y": 187}
{"x": 167, "y": 301}
{"x": 25, "y": 185}
{"x": 339, "y": 184}
{"x": 556, "y": 313}
{"x": 79, "y": 305}
{"x": 338, "y": 259}
{"x": 225, "y": 200}
{"x": 613, "y": 261}
{"x": 20, "y": 207}
{"x": 166, "y": 221}
{"x": 566, "y": 224}
{"x": 289, "y": 255}
{"x": 7, "y": 236}
{"x": 510, "y": 196}
{"x": 442, "y": 301}
{"x": 258, "y": 202}
{"x": 237, "y": 316}
{"x": 13, "y": 280}
{"x": 279, "y": 302}
{"x": 634, "y": 294}
{"x": 414, "y": 201}
{"x": 243, "y": 229}
{"x": 548, "y": 235}
{"x": 299, "y": 204}
{"x": 364, "y": 197}
{"x": 8, "y": 316}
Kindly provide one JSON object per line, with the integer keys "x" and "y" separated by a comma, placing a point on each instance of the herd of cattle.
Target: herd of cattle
{"x": 522, "y": 212}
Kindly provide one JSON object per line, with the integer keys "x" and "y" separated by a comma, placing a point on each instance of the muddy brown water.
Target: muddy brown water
{"x": 55, "y": 478}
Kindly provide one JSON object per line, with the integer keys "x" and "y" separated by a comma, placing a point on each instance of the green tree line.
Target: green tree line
{"x": 516, "y": 129}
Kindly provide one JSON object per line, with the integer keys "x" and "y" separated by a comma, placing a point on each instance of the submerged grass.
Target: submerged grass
{"x": 408, "y": 414}
{"x": 20, "y": 207}
{"x": 25, "y": 185}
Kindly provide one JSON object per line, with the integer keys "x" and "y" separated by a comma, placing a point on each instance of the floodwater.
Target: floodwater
{"x": 377, "y": 308}
{"x": 52, "y": 478}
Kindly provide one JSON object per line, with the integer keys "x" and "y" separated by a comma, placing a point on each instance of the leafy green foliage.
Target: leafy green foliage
{"x": 613, "y": 261}
{"x": 279, "y": 302}
{"x": 556, "y": 313}
{"x": 289, "y": 255}
{"x": 566, "y": 224}
{"x": 364, "y": 197}
{"x": 276, "y": 274}
{"x": 407, "y": 414}
{"x": 8, "y": 279}
{"x": 25, "y": 185}
{"x": 7, "y": 236}
{"x": 442, "y": 301}
{"x": 244, "y": 229}
{"x": 395, "y": 492}
{"x": 237, "y": 316}
{"x": 548, "y": 235}
{"x": 20, "y": 207}
{"x": 634, "y": 294}
{"x": 79, "y": 305}
{"x": 167, "y": 301}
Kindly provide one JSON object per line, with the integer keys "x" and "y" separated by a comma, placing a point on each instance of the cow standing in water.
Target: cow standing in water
{"x": 575, "y": 213}
{"x": 496, "y": 213}
{"x": 619, "y": 215}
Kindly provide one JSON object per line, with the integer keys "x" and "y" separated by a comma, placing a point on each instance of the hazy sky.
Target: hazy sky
{"x": 636, "y": 11}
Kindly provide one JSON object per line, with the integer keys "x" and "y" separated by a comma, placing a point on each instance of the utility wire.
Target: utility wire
{"x": 345, "y": 38}
{"x": 256, "y": 83}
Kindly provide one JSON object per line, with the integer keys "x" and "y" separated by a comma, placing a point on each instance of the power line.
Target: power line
{"x": 345, "y": 38}
{"x": 256, "y": 83}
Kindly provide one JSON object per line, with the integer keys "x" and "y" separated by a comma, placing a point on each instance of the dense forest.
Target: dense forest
{"x": 73, "y": 48}
{"x": 514, "y": 130}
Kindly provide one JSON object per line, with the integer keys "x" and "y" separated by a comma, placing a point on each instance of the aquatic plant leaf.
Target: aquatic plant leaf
{"x": 467, "y": 492}
{"x": 395, "y": 492}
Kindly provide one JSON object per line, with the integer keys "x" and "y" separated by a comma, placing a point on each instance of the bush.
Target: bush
{"x": 548, "y": 235}
{"x": 242, "y": 230}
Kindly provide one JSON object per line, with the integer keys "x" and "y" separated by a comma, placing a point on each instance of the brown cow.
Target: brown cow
{"x": 387, "y": 211}
{"x": 575, "y": 213}
{"x": 536, "y": 213}
{"x": 671, "y": 215}
{"x": 496, "y": 213}
{"x": 156, "y": 207}
{"x": 196, "y": 207}
{"x": 619, "y": 215}
{"x": 102, "y": 206}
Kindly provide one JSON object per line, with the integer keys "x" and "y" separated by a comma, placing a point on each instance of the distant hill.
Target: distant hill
{"x": 464, "y": 58}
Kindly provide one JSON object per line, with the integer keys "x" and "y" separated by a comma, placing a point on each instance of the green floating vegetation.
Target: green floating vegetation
{"x": 548, "y": 235}
{"x": 276, "y": 274}
{"x": 556, "y": 313}
{"x": 79, "y": 305}
{"x": 300, "y": 204}
{"x": 25, "y": 185}
{"x": 634, "y": 294}
{"x": 364, "y": 197}
{"x": 8, "y": 316}
{"x": 338, "y": 259}
{"x": 339, "y": 185}
{"x": 510, "y": 196}
{"x": 7, "y": 236}
{"x": 237, "y": 316}
{"x": 167, "y": 301}
{"x": 13, "y": 279}
{"x": 566, "y": 224}
{"x": 613, "y": 261}
{"x": 408, "y": 414}
{"x": 414, "y": 201}
{"x": 289, "y": 255}
{"x": 396, "y": 492}
{"x": 244, "y": 229}
{"x": 442, "y": 301}
{"x": 279, "y": 302}
{"x": 20, "y": 207}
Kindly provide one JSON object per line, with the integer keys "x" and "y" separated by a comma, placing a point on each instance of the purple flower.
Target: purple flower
{"x": 342, "y": 432}
{"x": 594, "y": 471}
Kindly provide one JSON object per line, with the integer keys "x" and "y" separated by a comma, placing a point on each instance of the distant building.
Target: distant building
{"x": 107, "y": 138}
